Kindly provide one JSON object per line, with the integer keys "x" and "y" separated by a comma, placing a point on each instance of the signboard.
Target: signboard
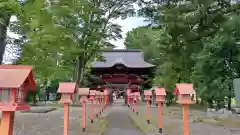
{"x": 236, "y": 86}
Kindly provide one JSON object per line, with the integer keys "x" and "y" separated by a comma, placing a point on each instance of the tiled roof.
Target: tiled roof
{"x": 129, "y": 58}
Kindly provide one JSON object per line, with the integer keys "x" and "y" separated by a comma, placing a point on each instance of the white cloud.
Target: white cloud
{"x": 127, "y": 25}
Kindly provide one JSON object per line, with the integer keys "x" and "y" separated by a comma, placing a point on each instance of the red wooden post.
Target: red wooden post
{"x": 102, "y": 101}
{"x": 106, "y": 94}
{"x": 137, "y": 95}
{"x": 92, "y": 97}
{"x": 186, "y": 95}
{"x": 67, "y": 89}
{"x": 128, "y": 97}
{"x": 160, "y": 98}
{"x": 83, "y": 92}
{"x": 148, "y": 94}
{"x": 97, "y": 101}
{"x": 132, "y": 101}
{"x": 15, "y": 80}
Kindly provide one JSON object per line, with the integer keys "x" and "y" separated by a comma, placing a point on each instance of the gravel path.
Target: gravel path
{"x": 174, "y": 125}
{"x": 119, "y": 122}
{"x": 50, "y": 123}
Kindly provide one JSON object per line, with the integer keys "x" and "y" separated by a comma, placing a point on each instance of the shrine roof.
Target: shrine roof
{"x": 132, "y": 58}
{"x": 13, "y": 76}
{"x": 184, "y": 88}
{"x": 67, "y": 87}
{"x": 83, "y": 91}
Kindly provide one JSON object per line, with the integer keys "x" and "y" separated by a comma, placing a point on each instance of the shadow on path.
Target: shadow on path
{"x": 119, "y": 122}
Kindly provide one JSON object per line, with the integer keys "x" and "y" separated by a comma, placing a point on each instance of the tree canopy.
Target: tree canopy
{"x": 191, "y": 41}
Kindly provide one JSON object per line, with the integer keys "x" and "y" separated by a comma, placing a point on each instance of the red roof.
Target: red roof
{"x": 13, "y": 76}
{"x": 92, "y": 92}
{"x": 98, "y": 93}
{"x": 67, "y": 87}
{"x": 105, "y": 92}
{"x": 137, "y": 93}
{"x": 147, "y": 92}
{"x": 184, "y": 88}
{"x": 83, "y": 91}
{"x": 160, "y": 91}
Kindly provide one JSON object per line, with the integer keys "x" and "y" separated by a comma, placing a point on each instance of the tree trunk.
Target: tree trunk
{"x": 34, "y": 101}
{"x": 81, "y": 66}
{"x": 210, "y": 103}
{"x": 78, "y": 76}
{"x": 3, "y": 35}
{"x": 230, "y": 96}
{"x": 229, "y": 103}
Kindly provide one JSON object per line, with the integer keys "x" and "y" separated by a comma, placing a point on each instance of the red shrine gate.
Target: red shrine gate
{"x": 121, "y": 70}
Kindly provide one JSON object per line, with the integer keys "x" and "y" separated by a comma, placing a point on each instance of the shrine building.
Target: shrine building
{"x": 120, "y": 70}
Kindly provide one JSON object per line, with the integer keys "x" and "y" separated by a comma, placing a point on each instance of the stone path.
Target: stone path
{"x": 119, "y": 122}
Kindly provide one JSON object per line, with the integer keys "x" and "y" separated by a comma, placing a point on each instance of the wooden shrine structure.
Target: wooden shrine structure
{"x": 120, "y": 70}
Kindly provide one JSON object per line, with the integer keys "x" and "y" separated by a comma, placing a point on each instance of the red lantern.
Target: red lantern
{"x": 15, "y": 81}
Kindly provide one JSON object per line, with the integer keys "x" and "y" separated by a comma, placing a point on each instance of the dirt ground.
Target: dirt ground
{"x": 199, "y": 123}
{"x": 52, "y": 123}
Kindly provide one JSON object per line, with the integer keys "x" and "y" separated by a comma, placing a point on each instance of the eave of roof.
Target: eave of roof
{"x": 67, "y": 87}
{"x": 13, "y": 76}
{"x": 123, "y": 59}
{"x": 122, "y": 50}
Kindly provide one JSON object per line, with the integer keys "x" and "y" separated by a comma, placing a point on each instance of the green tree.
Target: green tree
{"x": 197, "y": 43}
{"x": 7, "y": 9}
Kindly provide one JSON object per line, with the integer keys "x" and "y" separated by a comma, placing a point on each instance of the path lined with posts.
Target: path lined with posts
{"x": 119, "y": 122}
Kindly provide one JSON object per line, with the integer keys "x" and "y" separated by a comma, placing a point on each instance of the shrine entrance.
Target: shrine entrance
{"x": 121, "y": 70}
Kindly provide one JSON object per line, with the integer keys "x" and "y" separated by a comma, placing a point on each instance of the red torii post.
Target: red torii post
{"x": 67, "y": 89}
{"x": 128, "y": 97}
{"x": 137, "y": 95}
{"x": 101, "y": 101}
{"x": 106, "y": 94}
{"x": 15, "y": 81}
{"x": 148, "y": 94}
{"x": 160, "y": 98}
{"x": 97, "y": 102}
{"x": 92, "y": 97}
{"x": 83, "y": 92}
{"x": 132, "y": 101}
{"x": 185, "y": 96}
{"x": 100, "y": 96}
